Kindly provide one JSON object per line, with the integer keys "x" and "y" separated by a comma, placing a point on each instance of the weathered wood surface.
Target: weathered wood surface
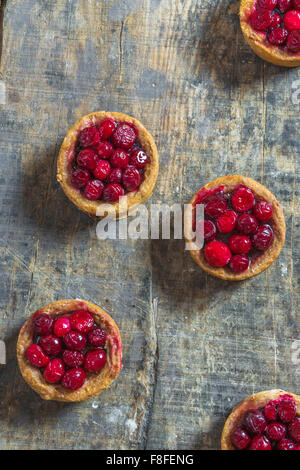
{"x": 193, "y": 345}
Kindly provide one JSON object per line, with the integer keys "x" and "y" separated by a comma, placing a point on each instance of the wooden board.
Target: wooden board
{"x": 193, "y": 345}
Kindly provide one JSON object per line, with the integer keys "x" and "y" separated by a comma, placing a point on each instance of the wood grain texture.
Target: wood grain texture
{"x": 193, "y": 345}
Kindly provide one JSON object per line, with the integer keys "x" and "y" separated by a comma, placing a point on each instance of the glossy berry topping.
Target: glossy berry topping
{"x": 81, "y": 321}
{"x": 75, "y": 341}
{"x": 270, "y": 411}
{"x": 239, "y": 263}
{"x": 43, "y": 324}
{"x": 217, "y": 254}
{"x": 292, "y": 20}
{"x": 112, "y": 192}
{"x": 54, "y": 371}
{"x": 263, "y": 237}
{"x": 106, "y": 128}
{"x": 124, "y": 137}
{"x": 36, "y": 356}
{"x": 263, "y": 211}
{"x": 294, "y": 430}
{"x": 293, "y": 41}
{"x": 131, "y": 178}
{"x": 240, "y": 439}
{"x": 286, "y": 444}
{"x": 239, "y": 244}
{"x": 276, "y": 20}
{"x": 260, "y": 442}
{"x": 94, "y": 190}
{"x": 104, "y": 149}
{"x": 286, "y": 409}
{"x": 95, "y": 360}
{"x": 296, "y": 4}
{"x": 278, "y": 36}
{"x": 73, "y": 358}
{"x": 89, "y": 136}
{"x": 88, "y": 159}
{"x": 209, "y": 230}
{"x": 226, "y": 223}
{"x": 215, "y": 207}
{"x": 102, "y": 170}
{"x": 119, "y": 159}
{"x": 275, "y": 431}
{"x": 61, "y": 326}
{"x": 74, "y": 378}
{"x": 139, "y": 158}
{"x": 284, "y": 5}
{"x": 261, "y": 19}
{"x": 97, "y": 337}
{"x": 268, "y": 4}
{"x": 80, "y": 178}
{"x": 254, "y": 421}
{"x": 242, "y": 199}
{"x": 115, "y": 176}
{"x": 51, "y": 344}
{"x": 247, "y": 224}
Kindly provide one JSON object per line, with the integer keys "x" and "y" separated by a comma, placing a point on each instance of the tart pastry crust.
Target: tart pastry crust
{"x": 257, "y": 400}
{"x": 95, "y": 383}
{"x": 132, "y": 199}
{"x": 266, "y": 258}
{"x": 257, "y": 42}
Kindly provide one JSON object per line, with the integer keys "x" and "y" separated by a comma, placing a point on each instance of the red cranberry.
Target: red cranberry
{"x": 75, "y": 341}
{"x": 74, "y": 378}
{"x": 95, "y": 360}
{"x": 276, "y": 431}
{"x": 115, "y": 176}
{"x": 43, "y": 324}
{"x": 240, "y": 439}
{"x": 263, "y": 211}
{"x": 239, "y": 263}
{"x": 226, "y": 223}
{"x": 124, "y": 137}
{"x": 106, "y": 128}
{"x": 294, "y": 430}
{"x": 97, "y": 337}
{"x": 51, "y": 345}
{"x": 277, "y": 36}
{"x": 89, "y": 136}
{"x": 87, "y": 159}
{"x": 93, "y": 189}
{"x": 293, "y": 41}
{"x": 215, "y": 207}
{"x": 270, "y": 411}
{"x": 263, "y": 237}
{"x": 242, "y": 199}
{"x": 247, "y": 224}
{"x": 119, "y": 159}
{"x": 255, "y": 421}
{"x": 131, "y": 179}
{"x": 80, "y": 177}
{"x": 81, "y": 321}
{"x": 267, "y": 4}
{"x": 276, "y": 20}
{"x": 260, "y": 442}
{"x": 284, "y": 5}
{"x": 286, "y": 409}
{"x": 209, "y": 230}
{"x": 139, "y": 158}
{"x": 217, "y": 254}
{"x": 102, "y": 170}
{"x": 296, "y": 4}
{"x": 104, "y": 149}
{"x": 36, "y": 356}
{"x": 73, "y": 358}
{"x": 133, "y": 126}
{"x": 54, "y": 371}
{"x": 261, "y": 19}
{"x": 112, "y": 192}
{"x": 239, "y": 244}
{"x": 292, "y": 20}
{"x": 286, "y": 444}
{"x": 61, "y": 326}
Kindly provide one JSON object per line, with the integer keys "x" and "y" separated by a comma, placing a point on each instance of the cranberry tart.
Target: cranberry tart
{"x": 243, "y": 228}
{"x": 272, "y": 29}
{"x": 108, "y": 163}
{"x": 69, "y": 350}
{"x": 268, "y": 420}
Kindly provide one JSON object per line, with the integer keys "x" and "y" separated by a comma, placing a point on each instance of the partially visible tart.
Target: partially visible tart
{"x": 272, "y": 29}
{"x": 268, "y": 420}
{"x": 243, "y": 227}
{"x": 69, "y": 350}
{"x": 108, "y": 162}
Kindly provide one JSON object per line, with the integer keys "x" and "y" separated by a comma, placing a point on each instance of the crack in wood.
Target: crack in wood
{"x": 2, "y": 11}
{"x": 121, "y": 49}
